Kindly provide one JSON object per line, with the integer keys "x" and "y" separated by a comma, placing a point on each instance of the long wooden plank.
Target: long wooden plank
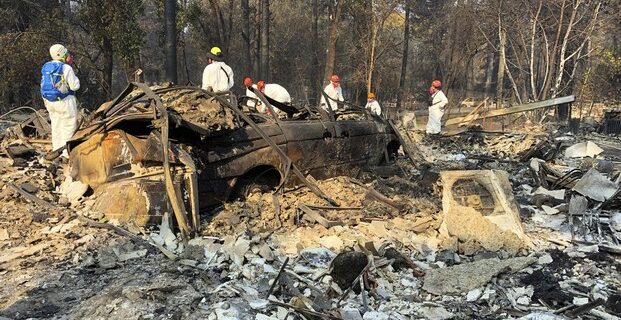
{"x": 516, "y": 109}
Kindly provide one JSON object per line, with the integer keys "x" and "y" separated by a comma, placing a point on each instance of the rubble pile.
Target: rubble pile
{"x": 198, "y": 108}
{"x": 522, "y": 226}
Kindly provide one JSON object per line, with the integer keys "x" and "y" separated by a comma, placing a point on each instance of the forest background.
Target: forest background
{"x": 513, "y": 51}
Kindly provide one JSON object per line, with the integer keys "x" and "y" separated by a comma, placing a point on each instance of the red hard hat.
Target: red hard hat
{"x": 247, "y": 82}
{"x": 335, "y": 78}
{"x": 436, "y": 84}
{"x": 260, "y": 85}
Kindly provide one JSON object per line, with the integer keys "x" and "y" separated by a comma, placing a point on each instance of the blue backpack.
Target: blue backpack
{"x": 52, "y": 80}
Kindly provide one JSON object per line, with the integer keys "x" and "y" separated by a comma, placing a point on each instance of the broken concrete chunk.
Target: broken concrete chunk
{"x": 20, "y": 252}
{"x": 580, "y": 301}
{"x": 435, "y": 313}
{"x": 474, "y": 295}
{"x": 166, "y": 234}
{"x": 236, "y": 248}
{"x": 266, "y": 252}
{"x": 73, "y": 190}
{"x": 542, "y": 316}
{"x": 132, "y": 255}
{"x": 4, "y": 234}
{"x": 556, "y": 194}
{"x": 375, "y": 315}
{"x": 583, "y": 149}
{"x": 468, "y": 276}
{"x": 545, "y": 259}
{"x": 596, "y": 186}
{"x": 332, "y": 242}
{"x": 615, "y": 222}
{"x": 549, "y": 210}
{"x": 350, "y": 314}
{"x": 479, "y": 209}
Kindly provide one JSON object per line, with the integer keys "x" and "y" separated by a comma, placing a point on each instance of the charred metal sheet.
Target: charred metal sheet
{"x": 142, "y": 201}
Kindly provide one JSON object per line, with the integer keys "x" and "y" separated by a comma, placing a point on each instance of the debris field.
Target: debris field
{"x": 522, "y": 224}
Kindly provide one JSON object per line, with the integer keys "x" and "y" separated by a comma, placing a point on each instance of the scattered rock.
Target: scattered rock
{"x": 435, "y": 313}
{"x": 545, "y": 259}
{"x": 474, "y": 295}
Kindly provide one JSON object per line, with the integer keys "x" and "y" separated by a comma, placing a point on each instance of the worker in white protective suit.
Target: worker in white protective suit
{"x": 373, "y": 105}
{"x": 437, "y": 102}
{"x": 252, "y": 102}
{"x": 275, "y": 92}
{"x": 217, "y": 75}
{"x": 334, "y": 92}
{"x": 58, "y": 86}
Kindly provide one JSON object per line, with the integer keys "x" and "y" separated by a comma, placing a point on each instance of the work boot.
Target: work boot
{"x": 53, "y": 154}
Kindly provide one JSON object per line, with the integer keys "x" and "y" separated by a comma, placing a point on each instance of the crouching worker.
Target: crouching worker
{"x": 58, "y": 86}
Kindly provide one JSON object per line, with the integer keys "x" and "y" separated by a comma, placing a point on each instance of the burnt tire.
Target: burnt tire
{"x": 256, "y": 181}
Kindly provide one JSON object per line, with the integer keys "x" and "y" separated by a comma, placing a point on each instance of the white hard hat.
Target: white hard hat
{"x": 58, "y": 52}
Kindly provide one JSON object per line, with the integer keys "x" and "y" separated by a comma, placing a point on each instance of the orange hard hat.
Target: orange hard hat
{"x": 247, "y": 82}
{"x": 335, "y": 78}
{"x": 370, "y": 95}
{"x": 261, "y": 85}
{"x": 436, "y": 84}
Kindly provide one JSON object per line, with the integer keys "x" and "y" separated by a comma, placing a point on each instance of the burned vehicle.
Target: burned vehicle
{"x": 216, "y": 151}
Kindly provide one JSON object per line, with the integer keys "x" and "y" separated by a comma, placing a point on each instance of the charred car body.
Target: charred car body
{"x": 216, "y": 150}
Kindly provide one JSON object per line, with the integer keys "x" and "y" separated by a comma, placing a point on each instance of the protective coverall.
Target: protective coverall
{"x": 334, "y": 93}
{"x": 374, "y": 106}
{"x": 275, "y": 92}
{"x": 436, "y": 111}
{"x": 64, "y": 113}
{"x": 219, "y": 76}
{"x": 251, "y": 103}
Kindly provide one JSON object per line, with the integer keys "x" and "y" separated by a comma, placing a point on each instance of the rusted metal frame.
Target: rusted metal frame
{"x": 178, "y": 208}
{"x": 192, "y": 182}
{"x": 275, "y": 147}
{"x": 118, "y": 98}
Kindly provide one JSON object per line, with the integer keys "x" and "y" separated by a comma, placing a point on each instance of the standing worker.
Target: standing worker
{"x": 58, "y": 86}
{"x": 437, "y": 102}
{"x": 217, "y": 75}
{"x": 373, "y": 105}
{"x": 334, "y": 92}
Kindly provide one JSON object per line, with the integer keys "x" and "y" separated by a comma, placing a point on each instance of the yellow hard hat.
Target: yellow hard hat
{"x": 215, "y": 54}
